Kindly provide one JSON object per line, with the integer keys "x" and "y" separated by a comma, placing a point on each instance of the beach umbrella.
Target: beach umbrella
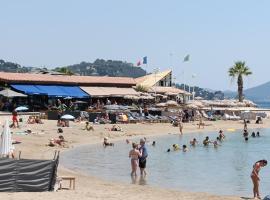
{"x": 67, "y": 117}
{"x": 80, "y": 102}
{"x": 21, "y": 108}
{"x": 5, "y": 141}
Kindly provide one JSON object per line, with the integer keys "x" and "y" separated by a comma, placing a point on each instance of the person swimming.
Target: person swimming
{"x": 106, "y": 143}
{"x": 258, "y": 134}
{"x": 176, "y": 147}
{"x": 215, "y": 143}
{"x": 193, "y": 142}
{"x": 184, "y": 148}
{"x": 253, "y": 134}
{"x": 206, "y": 141}
{"x": 218, "y": 139}
{"x": 246, "y": 139}
{"x": 154, "y": 143}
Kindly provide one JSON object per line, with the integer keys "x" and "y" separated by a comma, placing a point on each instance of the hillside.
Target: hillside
{"x": 107, "y": 68}
{"x": 260, "y": 92}
{"x": 98, "y": 68}
{"x": 207, "y": 94}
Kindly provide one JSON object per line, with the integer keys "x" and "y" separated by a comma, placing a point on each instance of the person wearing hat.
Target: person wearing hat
{"x": 143, "y": 157}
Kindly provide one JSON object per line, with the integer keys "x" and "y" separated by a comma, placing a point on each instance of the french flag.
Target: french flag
{"x": 139, "y": 63}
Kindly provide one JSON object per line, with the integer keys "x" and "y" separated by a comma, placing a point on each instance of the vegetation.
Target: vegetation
{"x": 141, "y": 88}
{"x": 238, "y": 71}
{"x": 204, "y": 93}
{"x": 64, "y": 70}
{"x": 98, "y": 68}
{"x": 107, "y": 68}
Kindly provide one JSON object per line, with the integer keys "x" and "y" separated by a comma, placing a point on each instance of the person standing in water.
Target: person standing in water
{"x": 134, "y": 155}
{"x": 245, "y": 124}
{"x": 255, "y": 176}
{"x": 142, "y": 158}
{"x": 181, "y": 126}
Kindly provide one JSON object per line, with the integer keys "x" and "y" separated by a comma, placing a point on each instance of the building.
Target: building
{"x": 44, "y": 89}
{"x": 161, "y": 83}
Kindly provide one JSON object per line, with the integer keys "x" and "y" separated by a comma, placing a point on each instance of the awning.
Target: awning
{"x": 109, "y": 91}
{"x": 11, "y": 93}
{"x": 51, "y": 90}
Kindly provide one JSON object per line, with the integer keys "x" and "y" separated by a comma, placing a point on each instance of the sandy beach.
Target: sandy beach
{"x": 88, "y": 187}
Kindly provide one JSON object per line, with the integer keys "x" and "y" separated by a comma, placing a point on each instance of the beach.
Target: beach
{"x": 88, "y": 187}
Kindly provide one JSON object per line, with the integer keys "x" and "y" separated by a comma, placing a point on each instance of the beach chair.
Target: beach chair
{"x": 206, "y": 116}
{"x": 235, "y": 117}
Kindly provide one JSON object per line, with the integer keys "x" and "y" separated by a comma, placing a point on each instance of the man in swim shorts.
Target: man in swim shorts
{"x": 142, "y": 159}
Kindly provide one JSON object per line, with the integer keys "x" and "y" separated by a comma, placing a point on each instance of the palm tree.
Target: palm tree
{"x": 239, "y": 70}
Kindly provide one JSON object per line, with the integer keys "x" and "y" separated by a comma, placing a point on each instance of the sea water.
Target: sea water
{"x": 224, "y": 170}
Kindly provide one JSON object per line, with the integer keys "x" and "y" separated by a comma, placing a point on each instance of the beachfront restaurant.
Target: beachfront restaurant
{"x": 43, "y": 90}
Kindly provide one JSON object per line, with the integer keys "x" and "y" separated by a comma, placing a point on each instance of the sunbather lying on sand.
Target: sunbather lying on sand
{"x": 88, "y": 127}
{"x": 57, "y": 142}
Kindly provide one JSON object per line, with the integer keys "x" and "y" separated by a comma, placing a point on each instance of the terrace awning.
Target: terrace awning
{"x": 51, "y": 90}
{"x": 11, "y": 93}
{"x": 109, "y": 91}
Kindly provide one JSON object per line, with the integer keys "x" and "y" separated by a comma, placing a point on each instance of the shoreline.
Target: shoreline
{"x": 94, "y": 187}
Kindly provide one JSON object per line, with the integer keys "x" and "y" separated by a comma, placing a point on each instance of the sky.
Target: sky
{"x": 215, "y": 34}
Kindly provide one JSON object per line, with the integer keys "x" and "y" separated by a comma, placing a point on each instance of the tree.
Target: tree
{"x": 64, "y": 70}
{"x": 238, "y": 71}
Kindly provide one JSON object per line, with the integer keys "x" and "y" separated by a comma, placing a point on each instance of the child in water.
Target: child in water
{"x": 221, "y": 135}
{"x": 258, "y": 134}
{"x": 253, "y": 134}
{"x": 176, "y": 147}
{"x": 185, "y": 149}
{"x": 193, "y": 142}
{"x": 106, "y": 143}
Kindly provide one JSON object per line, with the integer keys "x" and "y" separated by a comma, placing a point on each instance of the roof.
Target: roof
{"x": 64, "y": 79}
{"x": 167, "y": 90}
{"x": 109, "y": 91}
{"x": 11, "y": 93}
{"x": 151, "y": 79}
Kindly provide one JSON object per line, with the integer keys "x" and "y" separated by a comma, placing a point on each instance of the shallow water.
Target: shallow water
{"x": 224, "y": 170}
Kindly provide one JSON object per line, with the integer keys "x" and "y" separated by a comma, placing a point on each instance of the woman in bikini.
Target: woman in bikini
{"x": 134, "y": 154}
{"x": 255, "y": 176}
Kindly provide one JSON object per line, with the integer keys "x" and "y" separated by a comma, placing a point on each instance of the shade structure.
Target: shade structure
{"x": 5, "y": 143}
{"x": 51, "y": 90}
{"x": 21, "y": 108}
{"x": 67, "y": 117}
{"x": 10, "y": 93}
{"x": 109, "y": 91}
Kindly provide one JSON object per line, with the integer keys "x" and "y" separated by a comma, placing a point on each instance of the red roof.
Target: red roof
{"x": 61, "y": 79}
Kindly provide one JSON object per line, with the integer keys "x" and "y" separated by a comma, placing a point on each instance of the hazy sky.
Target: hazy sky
{"x": 215, "y": 33}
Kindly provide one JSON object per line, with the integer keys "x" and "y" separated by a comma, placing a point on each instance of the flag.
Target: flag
{"x": 186, "y": 58}
{"x": 139, "y": 63}
{"x": 145, "y": 60}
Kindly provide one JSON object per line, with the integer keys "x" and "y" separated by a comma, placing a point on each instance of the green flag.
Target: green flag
{"x": 186, "y": 58}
